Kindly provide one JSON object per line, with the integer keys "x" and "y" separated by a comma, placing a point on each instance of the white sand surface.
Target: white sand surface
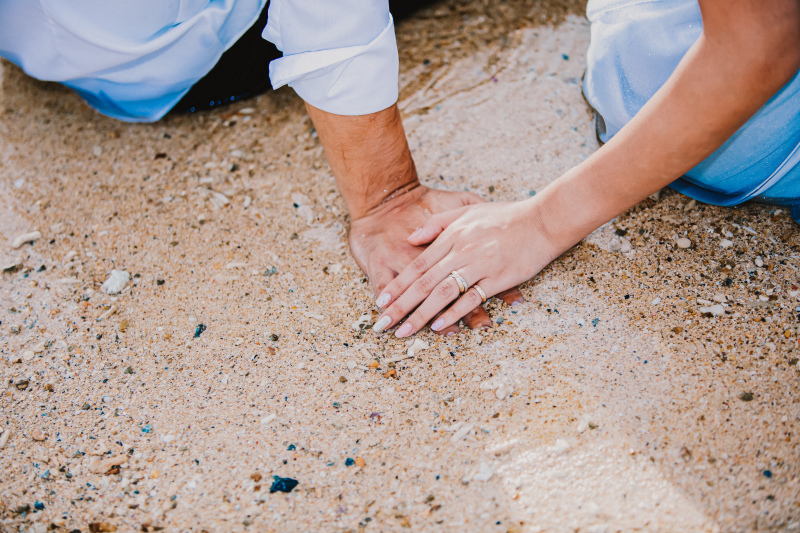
{"x": 608, "y": 402}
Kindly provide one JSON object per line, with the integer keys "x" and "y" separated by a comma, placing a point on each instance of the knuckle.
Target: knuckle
{"x": 419, "y": 265}
{"x": 399, "y": 310}
{"x": 444, "y": 290}
{"x": 472, "y": 299}
{"x": 425, "y": 284}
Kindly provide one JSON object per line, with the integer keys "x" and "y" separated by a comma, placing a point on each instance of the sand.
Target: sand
{"x": 608, "y": 402}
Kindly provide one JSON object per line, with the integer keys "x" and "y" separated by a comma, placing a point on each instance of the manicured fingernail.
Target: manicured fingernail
{"x": 518, "y": 301}
{"x": 404, "y": 330}
{"x": 450, "y": 333}
{"x": 381, "y": 324}
{"x": 383, "y": 299}
{"x": 436, "y": 326}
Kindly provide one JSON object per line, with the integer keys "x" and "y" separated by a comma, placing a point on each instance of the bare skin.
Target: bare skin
{"x": 748, "y": 50}
{"x": 378, "y": 180}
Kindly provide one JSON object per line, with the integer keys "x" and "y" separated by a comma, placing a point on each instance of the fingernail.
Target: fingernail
{"x": 404, "y": 330}
{"x": 450, "y": 333}
{"x": 416, "y": 232}
{"x": 383, "y": 299}
{"x": 436, "y": 326}
{"x": 381, "y": 324}
{"x": 518, "y": 301}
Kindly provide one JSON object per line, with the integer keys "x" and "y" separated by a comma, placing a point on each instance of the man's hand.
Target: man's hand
{"x": 375, "y": 173}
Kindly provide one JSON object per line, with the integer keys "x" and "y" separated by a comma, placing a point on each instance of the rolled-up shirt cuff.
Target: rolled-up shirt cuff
{"x": 353, "y": 80}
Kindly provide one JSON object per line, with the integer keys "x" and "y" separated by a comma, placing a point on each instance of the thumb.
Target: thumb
{"x": 434, "y": 226}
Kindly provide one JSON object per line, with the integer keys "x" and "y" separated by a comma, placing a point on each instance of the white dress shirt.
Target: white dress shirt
{"x": 135, "y": 60}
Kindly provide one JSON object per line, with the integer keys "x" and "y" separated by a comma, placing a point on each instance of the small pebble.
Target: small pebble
{"x": 716, "y": 310}
{"x": 683, "y": 242}
{"x": 725, "y": 243}
{"x": 462, "y": 432}
{"x": 111, "y": 310}
{"x": 349, "y": 462}
{"x": 759, "y": 262}
{"x": 485, "y": 473}
{"x": 283, "y": 484}
{"x": 562, "y": 446}
{"x": 12, "y": 267}
{"x": 360, "y": 462}
{"x": 26, "y": 237}
{"x": 4, "y": 438}
{"x": 417, "y": 346}
{"x": 746, "y": 396}
{"x": 116, "y": 282}
{"x": 199, "y": 330}
{"x": 37, "y": 435}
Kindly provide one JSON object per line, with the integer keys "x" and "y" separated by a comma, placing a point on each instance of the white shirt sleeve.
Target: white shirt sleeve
{"x": 339, "y": 55}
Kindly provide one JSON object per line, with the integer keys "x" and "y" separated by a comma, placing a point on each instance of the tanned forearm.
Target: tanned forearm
{"x": 747, "y": 52}
{"x": 369, "y": 156}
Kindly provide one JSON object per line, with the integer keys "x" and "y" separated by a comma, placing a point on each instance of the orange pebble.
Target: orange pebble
{"x": 360, "y": 462}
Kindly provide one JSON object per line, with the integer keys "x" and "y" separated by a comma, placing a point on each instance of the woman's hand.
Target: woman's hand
{"x": 380, "y": 245}
{"x": 494, "y": 245}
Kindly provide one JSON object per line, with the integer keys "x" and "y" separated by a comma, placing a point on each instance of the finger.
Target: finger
{"x": 381, "y": 277}
{"x": 444, "y": 293}
{"x": 511, "y": 297}
{"x": 434, "y": 226}
{"x": 468, "y": 303}
{"x": 477, "y": 318}
{"x": 448, "y": 331}
{"x": 415, "y": 274}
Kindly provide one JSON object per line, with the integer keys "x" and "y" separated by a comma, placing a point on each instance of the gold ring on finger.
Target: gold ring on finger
{"x": 480, "y": 292}
{"x": 462, "y": 283}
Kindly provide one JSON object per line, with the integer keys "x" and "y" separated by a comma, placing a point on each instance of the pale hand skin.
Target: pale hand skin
{"x": 748, "y": 50}
{"x": 375, "y": 173}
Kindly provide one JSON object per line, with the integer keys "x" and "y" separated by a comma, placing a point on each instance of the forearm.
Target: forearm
{"x": 369, "y": 156}
{"x": 730, "y": 72}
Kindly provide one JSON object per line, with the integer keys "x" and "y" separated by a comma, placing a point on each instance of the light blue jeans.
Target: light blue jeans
{"x": 635, "y": 47}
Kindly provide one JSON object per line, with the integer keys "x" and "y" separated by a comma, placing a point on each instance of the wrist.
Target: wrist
{"x": 568, "y": 210}
{"x": 399, "y": 187}
{"x": 402, "y": 197}
{"x": 369, "y": 157}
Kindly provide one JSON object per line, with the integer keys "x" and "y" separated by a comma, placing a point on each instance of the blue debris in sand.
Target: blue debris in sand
{"x": 39, "y": 506}
{"x": 565, "y": 57}
{"x": 767, "y": 473}
{"x": 291, "y": 447}
{"x": 595, "y": 321}
{"x": 199, "y": 330}
{"x": 283, "y": 484}
{"x": 349, "y": 462}
{"x": 147, "y": 428}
